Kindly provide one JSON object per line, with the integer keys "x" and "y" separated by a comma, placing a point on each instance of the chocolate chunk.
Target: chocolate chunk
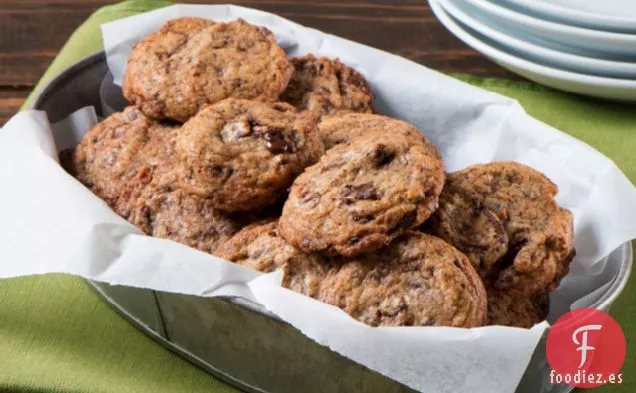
{"x": 505, "y": 277}
{"x": 382, "y": 155}
{"x": 341, "y": 83}
{"x": 366, "y": 191}
{"x": 275, "y": 141}
{"x": 220, "y": 171}
{"x": 361, "y": 219}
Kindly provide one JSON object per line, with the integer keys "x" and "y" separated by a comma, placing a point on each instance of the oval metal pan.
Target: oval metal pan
{"x": 239, "y": 341}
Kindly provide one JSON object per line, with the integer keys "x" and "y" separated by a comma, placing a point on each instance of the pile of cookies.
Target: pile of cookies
{"x": 275, "y": 163}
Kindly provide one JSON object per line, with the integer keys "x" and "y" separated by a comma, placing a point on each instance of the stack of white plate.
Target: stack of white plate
{"x": 581, "y": 46}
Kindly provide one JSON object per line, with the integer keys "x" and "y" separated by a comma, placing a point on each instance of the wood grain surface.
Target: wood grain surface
{"x": 33, "y": 31}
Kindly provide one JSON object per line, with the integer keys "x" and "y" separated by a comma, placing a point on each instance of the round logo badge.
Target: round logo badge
{"x": 586, "y": 348}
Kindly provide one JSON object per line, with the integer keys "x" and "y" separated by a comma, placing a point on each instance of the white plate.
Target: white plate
{"x": 618, "y": 89}
{"x": 582, "y": 13}
{"x": 539, "y": 53}
{"x": 596, "y": 43}
{"x": 617, "y": 8}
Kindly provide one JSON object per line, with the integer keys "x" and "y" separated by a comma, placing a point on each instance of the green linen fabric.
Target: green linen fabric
{"x": 56, "y": 335}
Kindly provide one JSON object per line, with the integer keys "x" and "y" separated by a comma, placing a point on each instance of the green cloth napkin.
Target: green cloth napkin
{"x": 56, "y": 335}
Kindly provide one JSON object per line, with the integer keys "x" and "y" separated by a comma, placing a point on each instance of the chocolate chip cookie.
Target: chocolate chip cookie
{"x": 504, "y": 218}
{"x": 243, "y": 154}
{"x": 260, "y": 247}
{"x": 337, "y": 129}
{"x": 326, "y": 86}
{"x": 184, "y": 218}
{"x": 129, "y": 161}
{"x": 362, "y": 194}
{"x": 192, "y": 62}
{"x": 124, "y": 149}
{"x": 418, "y": 280}
{"x": 519, "y": 311}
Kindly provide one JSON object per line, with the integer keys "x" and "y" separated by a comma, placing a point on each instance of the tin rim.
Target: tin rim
{"x": 66, "y": 74}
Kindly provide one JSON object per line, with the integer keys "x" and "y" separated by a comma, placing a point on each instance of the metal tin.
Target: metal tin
{"x": 237, "y": 340}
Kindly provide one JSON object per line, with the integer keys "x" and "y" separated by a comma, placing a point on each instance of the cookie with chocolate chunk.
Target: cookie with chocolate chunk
{"x": 260, "y": 247}
{"x": 243, "y": 155}
{"x": 503, "y": 216}
{"x": 506, "y": 309}
{"x": 362, "y": 194}
{"x": 124, "y": 149}
{"x": 192, "y": 62}
{"x": 418, "y": 280}
{"x": 326, "y": 86}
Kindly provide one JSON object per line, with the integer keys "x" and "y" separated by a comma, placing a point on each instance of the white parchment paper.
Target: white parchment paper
{"x": 51, "y": 223}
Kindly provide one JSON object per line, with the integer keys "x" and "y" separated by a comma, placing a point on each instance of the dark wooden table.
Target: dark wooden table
{"x": 33, "y": 31}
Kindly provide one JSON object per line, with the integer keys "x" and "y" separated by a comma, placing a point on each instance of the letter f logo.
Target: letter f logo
{"x": 584, "y": 347}
{"x": 600, "y": 343}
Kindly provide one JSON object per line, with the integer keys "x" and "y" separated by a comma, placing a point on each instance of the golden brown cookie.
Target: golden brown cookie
{"x": 126, "y": 148}
{"x": 326, "y": 86}
{"x": 337, "y": 129}
{"x": 418, "y": 280}
{"x": 260, "y": 247}
{"x": 362, "y": 194}
{"x": 243, "y": 155}
{"x": 519, "y": 311}
{"x": 504, "y": 218}
{"x": 192, "y": 62}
